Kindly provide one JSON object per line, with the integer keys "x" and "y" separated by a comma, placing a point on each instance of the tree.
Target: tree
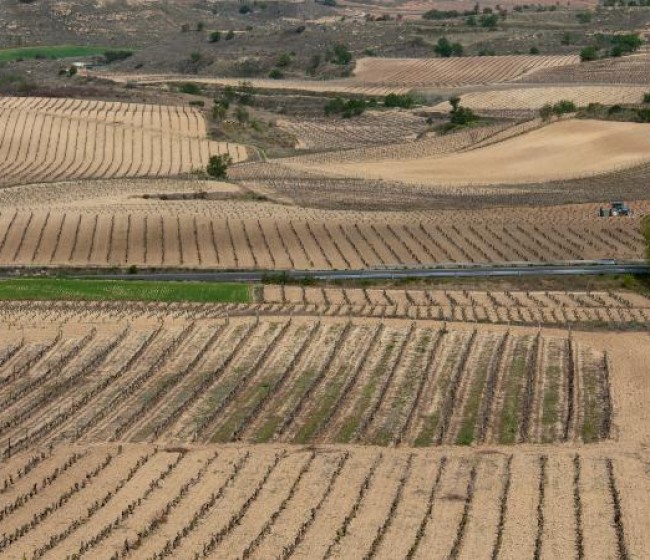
{"x": 218, "y": 166}
{"x": 534, "y": 50}
{"x": 342, "y": 55}
{"x": 230, "y": 35}
{"x": 276, "y": 74}
{"x": 454, "y": 101}
{"x": 443, "y": 48}
{"x": 395, "y": 100}
{"x": 215, "y": 37}
{"x": 564, "y": 106}
{"x": 489, "y": 21}
{"x": 546, "y": 112}
{"x": 588, "y": 53}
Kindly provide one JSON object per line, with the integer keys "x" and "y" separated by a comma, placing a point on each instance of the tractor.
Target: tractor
{"x": 615, "y": 209}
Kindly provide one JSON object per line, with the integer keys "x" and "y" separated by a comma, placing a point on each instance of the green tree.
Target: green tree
{"x": 489, "y": 21}
{"x": 341, "y": 55}
{"x": 588, "y": 53}
{"x": 215, "y": 37}
{"x": 443, "y": 48}
{"x": 546, "y": 112}
{"x": 218, "y": 166}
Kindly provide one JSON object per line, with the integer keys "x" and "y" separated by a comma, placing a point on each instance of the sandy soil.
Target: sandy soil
{"x": 565, "y": 149}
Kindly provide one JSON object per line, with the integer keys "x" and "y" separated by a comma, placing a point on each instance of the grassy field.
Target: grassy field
{"x": 56, "y": 51}
{"x": 108, "y": 290}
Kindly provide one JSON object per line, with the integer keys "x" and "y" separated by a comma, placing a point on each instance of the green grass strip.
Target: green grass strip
{"x": 55, "y": 51}
{"x": 56, "y": 289}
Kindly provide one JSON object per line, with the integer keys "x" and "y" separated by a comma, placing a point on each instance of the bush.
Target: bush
{"x": 394, "y": 100}
{"x": 197, "y": 103}
{"x": 445, "y": 49}
{"x": 341, "y": 55}
{"x": 347, "y": 109}
{"x": 584, "y": 17}
{"x": 489, "y": 21}
{"x": 215, "y": 37}
{"x": 190, "y": 88}
{"x": 534, "y": 50}
{"x": 115, "y": 56}
{"x": 284, "y": 60}
{"x": 646, "y": 97}
{"x": 276, "y": 74}
{"x": 218, "y": 166}
{"x": 244, "y": 9}
{"x": 462, "y": 116}
{"x": 588, "y": 53}
{"x": 230, "y": 35}
{"x": 546, "y": 112}
{"x": 564, "y": 106}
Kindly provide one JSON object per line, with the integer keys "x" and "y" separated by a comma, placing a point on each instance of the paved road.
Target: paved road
{"x": 560, "y": 269}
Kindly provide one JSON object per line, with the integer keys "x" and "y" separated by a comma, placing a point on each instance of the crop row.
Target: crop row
{"x": 323, "y": 502}
{"x": 165, "y": 240}
{"x": 269, "y": 380}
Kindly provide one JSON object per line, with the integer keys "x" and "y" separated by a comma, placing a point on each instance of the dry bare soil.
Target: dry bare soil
{"x": 561, "y": 150}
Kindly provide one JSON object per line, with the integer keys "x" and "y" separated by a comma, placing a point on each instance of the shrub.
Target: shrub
{"x": 445, "y": 49}
{"x": 276, "y": 74}
{"x": 115, "y": 56}
{"x": 584, "y": 17}
{"x": 230, "y": 35}
{"x": 197, "y": 103}
{"x": 489, "y": 21}
{"x": 588, "y": 53}
{"x": 462, "y": 116}
{"x": 218, "y": 166}
{"x": 395, "y": 100}
{"x": 546, "y": 112}
{"x": 564, "y": 106}
{"x": 244, "y": 9}
{"x": 190, "y": 88}
{"x": 534, "y": 50}
{"x": 341, "y": 55}
{"x": 215, "y": 37}
{"x": 646, "y": 97}
{"x": 284, "y": 60}
{"x": 347, "y": 109}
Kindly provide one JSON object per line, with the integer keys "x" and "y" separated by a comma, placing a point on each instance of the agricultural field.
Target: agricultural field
{"x": 132, "y": 463}
{"x": 453, "y": 72}
{"x": 141, "y": 501}
{"x": 362, "y": 414}
{"x": 562, "y": 150}
{"x": 300, "y": 381}
{"x": 533, "y": 98}
{"x": 162, "y": 238}
{"x": 50, "y": 140}
{"x": 604, "y": 308}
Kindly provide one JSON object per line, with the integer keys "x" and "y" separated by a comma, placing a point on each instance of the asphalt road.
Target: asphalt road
{"x": 560, "y": 269}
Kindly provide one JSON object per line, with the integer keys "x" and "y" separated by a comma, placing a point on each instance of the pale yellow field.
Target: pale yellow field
{"x": 562, "y": 150}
